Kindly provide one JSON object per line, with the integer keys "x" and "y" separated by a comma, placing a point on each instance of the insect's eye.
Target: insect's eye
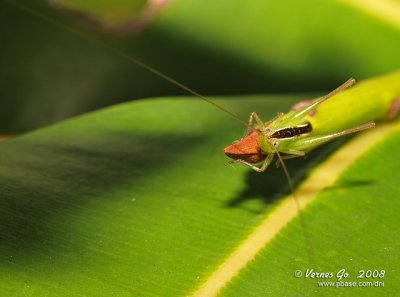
{"x": 275, "y": 144}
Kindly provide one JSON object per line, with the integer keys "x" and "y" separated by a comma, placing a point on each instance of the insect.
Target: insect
{"x": 312, "y": 123}
{"x": 309, "y": 123}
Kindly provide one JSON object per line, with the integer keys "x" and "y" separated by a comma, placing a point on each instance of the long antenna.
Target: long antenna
{"x": 298, "y": 206}
{"x": 289, "y": 179}
{"x": 124, "y": 55}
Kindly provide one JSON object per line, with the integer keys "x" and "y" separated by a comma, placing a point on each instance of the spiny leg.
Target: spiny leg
{"x": 318, "y": 101}
{"x": 263, "y": 167}
{"x": 254, "y": 116}
{"x": 293, "y": 153}
{"x": 260, "y": 124}
{"x": 249, "y": 124}
{"x": 308, "y": 143}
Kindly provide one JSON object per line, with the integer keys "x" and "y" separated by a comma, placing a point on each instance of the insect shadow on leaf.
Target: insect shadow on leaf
{"x": 271, "y": 185}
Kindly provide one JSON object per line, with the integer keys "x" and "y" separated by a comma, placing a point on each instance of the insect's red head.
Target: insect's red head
{"x": 246, "y": 149}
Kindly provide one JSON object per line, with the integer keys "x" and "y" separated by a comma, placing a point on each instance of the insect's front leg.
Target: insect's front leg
{"x": 254, "y": 116}
{"x": 263, "y": 167}
{"x": 260, "y": 124}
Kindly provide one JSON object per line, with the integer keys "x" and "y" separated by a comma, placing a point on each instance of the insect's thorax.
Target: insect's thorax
{"x": 281, "y": 140}
{"x": 290, "y": 132}
{"x": 254, "y": 147}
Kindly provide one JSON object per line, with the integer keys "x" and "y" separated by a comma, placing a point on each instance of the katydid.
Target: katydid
{"x": 312, "y": 123}
{"x": 308, "y": 125}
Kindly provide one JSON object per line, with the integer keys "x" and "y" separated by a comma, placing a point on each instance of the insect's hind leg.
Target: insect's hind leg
{"x": 308, "y": 143}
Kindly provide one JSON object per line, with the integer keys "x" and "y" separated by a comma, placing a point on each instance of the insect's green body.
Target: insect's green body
{"x": 368, "y": 101}
{"x": 306, "y": 126}
{"x": 312, "y": 123}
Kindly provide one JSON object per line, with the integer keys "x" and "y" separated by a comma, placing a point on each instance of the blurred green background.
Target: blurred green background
{"x": 216, "y": 47}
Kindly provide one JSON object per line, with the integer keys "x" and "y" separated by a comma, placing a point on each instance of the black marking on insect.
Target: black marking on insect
{"x": 291, "y": 132}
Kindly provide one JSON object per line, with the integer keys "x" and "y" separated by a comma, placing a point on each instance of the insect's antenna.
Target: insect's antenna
{"x": 350, "y": 82}
{"x": 302, "y": 222}
{"x": 124, "y": 55}
{"x": 286, "y": 171}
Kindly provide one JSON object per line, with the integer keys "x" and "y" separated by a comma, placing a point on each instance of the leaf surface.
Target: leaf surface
{"x": 135, "y": 200}
{"x": 223, "y": 47}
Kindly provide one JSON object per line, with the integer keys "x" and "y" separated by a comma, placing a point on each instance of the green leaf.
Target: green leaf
{"x": 351, "y": 225}
{"x": 113, "y": 15}
{"x": 121, "y": 202}
{"x": 135, "y": 200}
{"x": 295, "y": 41}
{"x": 223, "y": 47}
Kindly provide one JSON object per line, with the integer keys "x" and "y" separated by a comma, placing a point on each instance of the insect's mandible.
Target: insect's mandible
{"x": 286, "y": 136}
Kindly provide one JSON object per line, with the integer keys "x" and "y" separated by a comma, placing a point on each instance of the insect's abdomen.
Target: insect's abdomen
{"x": 369, "y": 100}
